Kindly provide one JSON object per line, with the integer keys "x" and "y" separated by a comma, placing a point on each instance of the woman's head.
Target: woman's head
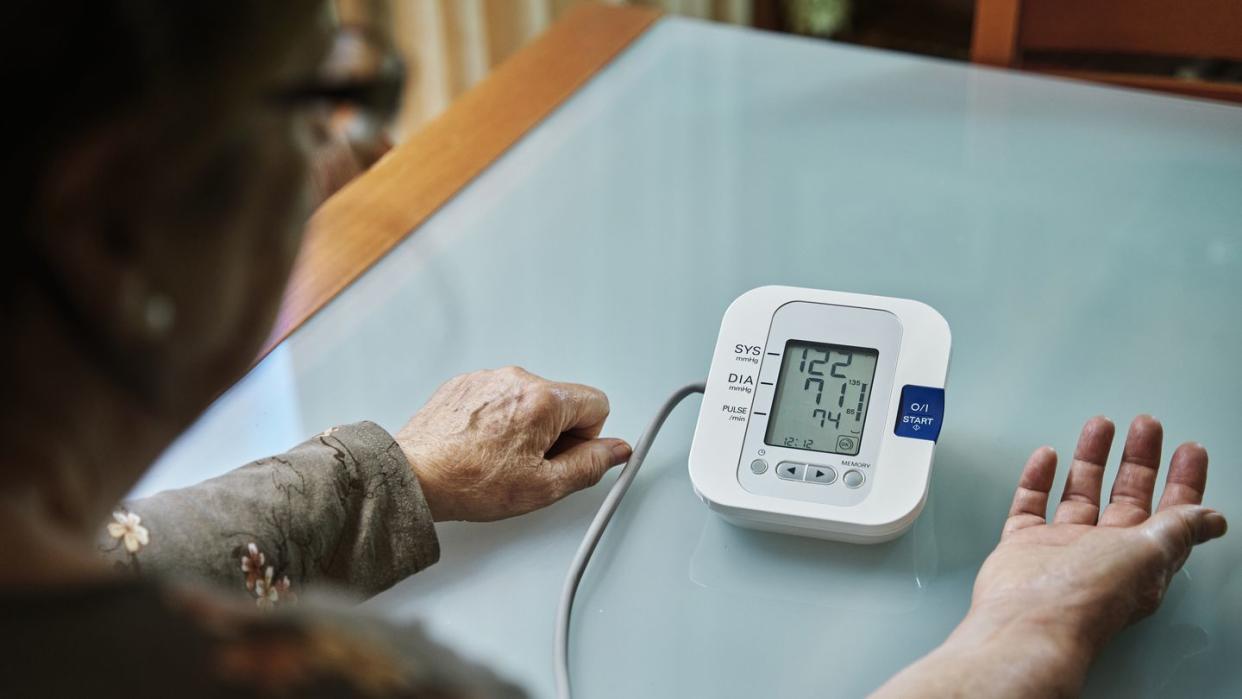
{"x": 164, "y": 185}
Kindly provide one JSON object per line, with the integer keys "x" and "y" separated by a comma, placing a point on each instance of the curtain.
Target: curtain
{"x": 449, "y": 45}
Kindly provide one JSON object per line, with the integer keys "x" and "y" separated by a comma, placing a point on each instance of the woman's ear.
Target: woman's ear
{"x": 90, "y": 259}
{"x": 92, "y": 247}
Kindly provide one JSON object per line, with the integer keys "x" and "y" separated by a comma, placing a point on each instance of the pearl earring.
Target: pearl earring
{"x": 158, "y": 313}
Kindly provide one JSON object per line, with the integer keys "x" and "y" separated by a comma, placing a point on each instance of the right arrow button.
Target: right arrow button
{"x": 824, "y": 475}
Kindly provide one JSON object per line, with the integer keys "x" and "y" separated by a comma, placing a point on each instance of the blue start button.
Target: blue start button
{"x": 920, "y": 413}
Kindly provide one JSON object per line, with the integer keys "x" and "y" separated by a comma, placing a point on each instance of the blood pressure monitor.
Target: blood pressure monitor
{"x": 821, "y": 413}
{"x": 819, "y": 417}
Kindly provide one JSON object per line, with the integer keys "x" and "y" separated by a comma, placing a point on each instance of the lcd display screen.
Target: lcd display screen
{"x": 821, "y": 397}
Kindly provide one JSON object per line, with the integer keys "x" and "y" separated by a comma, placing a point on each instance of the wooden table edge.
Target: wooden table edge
{"x": 359, "y": 224}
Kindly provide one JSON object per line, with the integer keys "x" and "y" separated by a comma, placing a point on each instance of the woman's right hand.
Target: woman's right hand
{"x": 1095, "y": 570}
{"x": 496, "y": 444}
{"x": 1053, "y": 593}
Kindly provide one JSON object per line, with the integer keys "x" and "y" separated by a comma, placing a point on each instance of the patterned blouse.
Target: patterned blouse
{"x": 343, "y": 508}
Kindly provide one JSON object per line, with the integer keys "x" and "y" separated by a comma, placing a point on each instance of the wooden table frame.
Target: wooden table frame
{"x": 359, "y": 224}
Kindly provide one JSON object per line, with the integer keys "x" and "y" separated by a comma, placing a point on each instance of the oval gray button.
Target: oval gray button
{"x": 758, "y": 466}
{"x": 853, "y": 478}
{"x": 824, "y": 475}
{"x": 790, "y": 471}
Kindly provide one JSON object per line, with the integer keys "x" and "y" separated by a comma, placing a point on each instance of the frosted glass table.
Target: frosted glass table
{"x": 1085, "y": 244}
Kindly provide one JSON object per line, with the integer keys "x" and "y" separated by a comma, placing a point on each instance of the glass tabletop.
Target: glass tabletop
{"x": 1083, "y": 242}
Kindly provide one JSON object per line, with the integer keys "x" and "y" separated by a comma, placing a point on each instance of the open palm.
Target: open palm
{"x": 1053, "y": 593}
{"x": 1095, "y": 570}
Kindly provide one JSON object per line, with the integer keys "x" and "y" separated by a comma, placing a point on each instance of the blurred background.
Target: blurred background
{"x": 449, "y": 45}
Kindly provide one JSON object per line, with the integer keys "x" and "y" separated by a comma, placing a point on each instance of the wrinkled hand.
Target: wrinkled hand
{"x": 496, "y": 444}
{"x": 1091, "y": 572}
{"x": 1052, "y": 594}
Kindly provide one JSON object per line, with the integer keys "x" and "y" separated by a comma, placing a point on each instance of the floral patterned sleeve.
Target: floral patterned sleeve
{"x": 343, "y": 507}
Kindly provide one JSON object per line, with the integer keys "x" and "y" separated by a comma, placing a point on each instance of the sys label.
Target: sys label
{"x": 747, "y": 354}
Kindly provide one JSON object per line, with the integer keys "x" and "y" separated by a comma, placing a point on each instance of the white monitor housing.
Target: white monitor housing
{"x": 821, "y": 413}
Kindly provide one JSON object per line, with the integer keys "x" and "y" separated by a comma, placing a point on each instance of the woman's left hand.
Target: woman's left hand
{"x": 496, "y": 444}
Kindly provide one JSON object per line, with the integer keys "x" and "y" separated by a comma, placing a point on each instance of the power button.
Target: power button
{"x": 921, "y": 412}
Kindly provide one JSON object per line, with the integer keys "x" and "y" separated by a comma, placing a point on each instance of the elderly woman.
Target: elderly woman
{"x": 159, "y": 180}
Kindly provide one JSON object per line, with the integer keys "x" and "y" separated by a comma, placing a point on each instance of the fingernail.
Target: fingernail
{"x": 1215, "y": 525}
{"x": 621, "y": 451}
